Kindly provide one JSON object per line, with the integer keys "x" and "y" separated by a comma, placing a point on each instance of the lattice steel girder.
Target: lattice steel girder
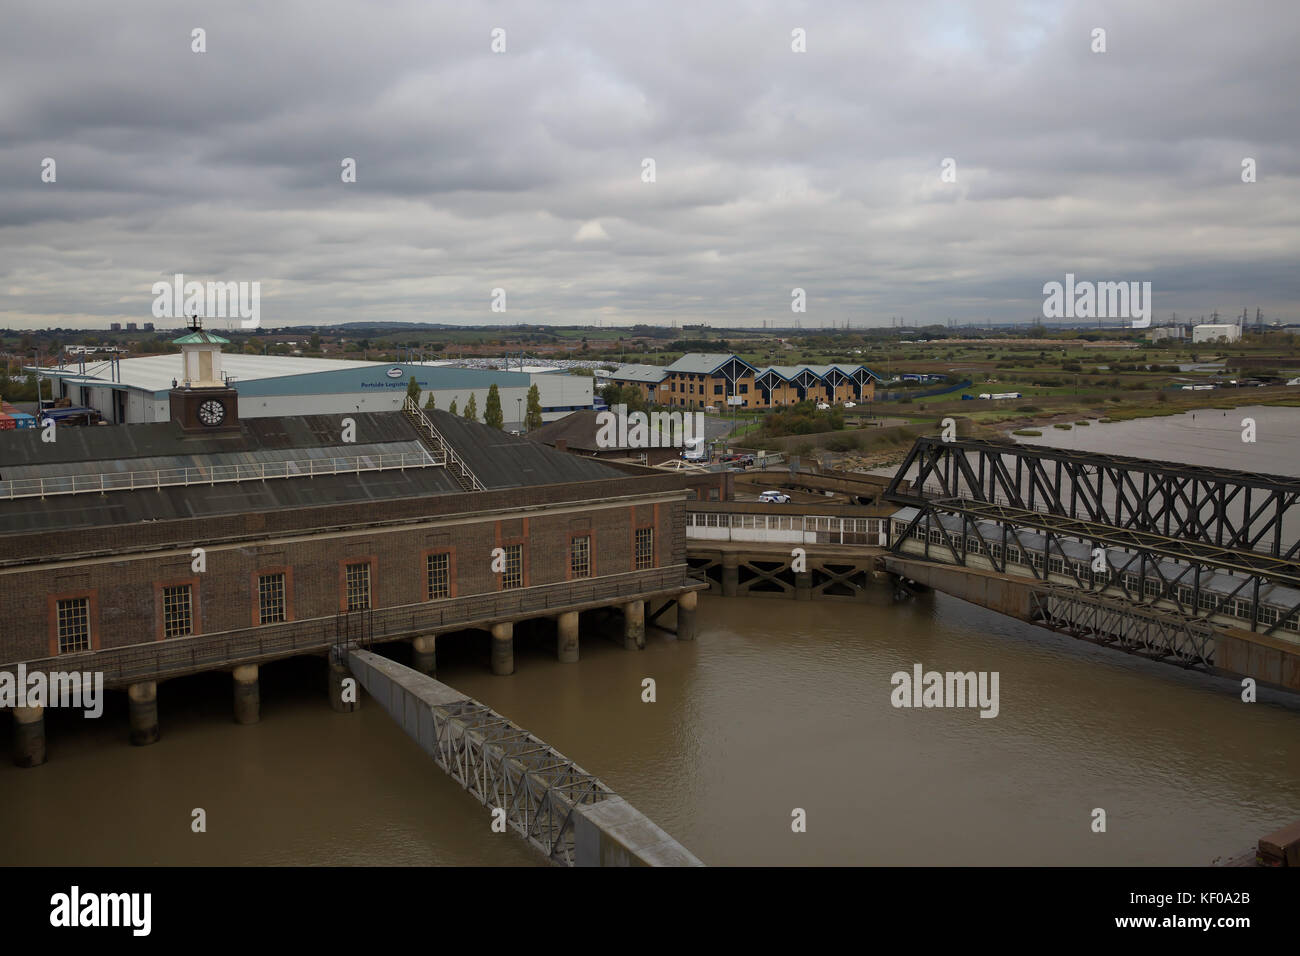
{"x": 537, "y": 786}
{"x": 1253, "y": 564}
{"x": 1176, "y": 500}
{"x": 1189, "y": 641}
{"x": 1197, "y": 559}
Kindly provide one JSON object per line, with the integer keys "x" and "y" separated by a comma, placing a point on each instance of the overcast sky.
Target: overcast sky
{"x": 522, "y": 170}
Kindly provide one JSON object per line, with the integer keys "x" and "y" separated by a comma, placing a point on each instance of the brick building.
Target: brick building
{"x": 698, "y": 379}
{"x": 213, "y": 542}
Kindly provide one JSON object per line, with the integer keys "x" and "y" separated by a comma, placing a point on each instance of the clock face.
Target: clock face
{"x": 212, "y": 412}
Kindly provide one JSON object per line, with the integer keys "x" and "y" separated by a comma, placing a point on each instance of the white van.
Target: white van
{"x": 694, "y": 449}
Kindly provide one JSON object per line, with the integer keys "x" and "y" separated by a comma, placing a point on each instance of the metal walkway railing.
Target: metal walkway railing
{"x": 213, "y": 474}
{"x": 154, "y": 660}
{"x": 464, "y": 476}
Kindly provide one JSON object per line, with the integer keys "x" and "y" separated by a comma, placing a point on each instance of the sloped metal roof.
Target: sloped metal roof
{"x": 639, "y": 373}
{"x": 696, "y": 363}
{"x": 201, "y": 337}
{"x": 109, "y": 443}
{"x": 500, "y": 460}
{"x": 578, "y": 429}
{"x": 165, "y": 504}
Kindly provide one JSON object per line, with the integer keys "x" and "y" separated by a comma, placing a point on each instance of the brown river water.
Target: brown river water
{"x": 778, "y": 705}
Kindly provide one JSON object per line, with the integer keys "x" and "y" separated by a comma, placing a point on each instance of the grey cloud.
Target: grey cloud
{"x": 775, "y": 169}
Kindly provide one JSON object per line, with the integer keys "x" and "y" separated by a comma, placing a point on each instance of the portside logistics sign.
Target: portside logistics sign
{"x": 396, "y": 378}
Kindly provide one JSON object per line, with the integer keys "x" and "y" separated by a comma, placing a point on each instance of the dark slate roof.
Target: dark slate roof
{"x": 499, "y": 460}
{"x": 578, "y": 429}
{"x": 509, "y": 461}
{"x": 164, "y": 504}
{"x": 167, "y": 439}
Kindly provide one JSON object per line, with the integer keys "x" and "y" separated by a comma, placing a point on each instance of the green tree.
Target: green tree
{"x": 413, "y": 390}
{"x": 533, "y": 417}
{"x": 492, "y": 415}
{"x": 429, "y": 403}
{"x": 628, "y": 395}
{"x": 471, "y": 408}
{"x": 452, "y": 407}
{"x": 315, "y": 342}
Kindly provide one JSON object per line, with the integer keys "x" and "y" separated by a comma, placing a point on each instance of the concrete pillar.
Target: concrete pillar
{"x": 566, "y": 640}
{"x": 503, "y": 648}
{"x": 424, "y": 657}
{"x": 634, "y": 625}
{"x": 29, "y": 736}
{"x": 338, "y": 674}
{"x": 686, "y": 602}
{"x": 142, "y": 706}
{"x": 248, "y": 700}
{"x": 730, "y": 574}
{"x": 803, "y": 585}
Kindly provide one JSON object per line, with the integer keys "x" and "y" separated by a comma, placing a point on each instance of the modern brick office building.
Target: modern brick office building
{"x": 698, "y": 379}
{"x": 145, "y": 552}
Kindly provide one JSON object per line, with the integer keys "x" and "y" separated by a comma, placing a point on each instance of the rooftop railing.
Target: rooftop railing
{"x": 185, "y": 655}
{"x": 468, "y": 480}
{"x": 213, "y": 474}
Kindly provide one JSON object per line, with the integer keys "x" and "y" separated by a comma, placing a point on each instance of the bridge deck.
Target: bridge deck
{"x": 559, "y": 808}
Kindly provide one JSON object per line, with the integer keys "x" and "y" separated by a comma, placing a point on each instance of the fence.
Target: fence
{"x": 787, "y": 528}
{"x": 212, "y": 474}
{"x": 187, "y": 655}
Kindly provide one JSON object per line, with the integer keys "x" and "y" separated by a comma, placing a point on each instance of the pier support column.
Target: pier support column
{"x": 248, "y": 700}
{"x": 566, "y": 640}
{"x": 503, "y": 648}
{"x": 803, "y": 585}
{"x": 634, "y": 625}
{"x": 730, "y": 574}
{"x": 29, "y": 736}
{"x": 142, "y": 706}
{"x": 686, "y": 602}
{"x": 338, "y": 674}
{"x": 424, "y": 654}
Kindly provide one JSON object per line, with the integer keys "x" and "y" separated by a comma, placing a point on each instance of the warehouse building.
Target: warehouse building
{"x": 135, "y": 390}
{"x": 1215, "y": 333}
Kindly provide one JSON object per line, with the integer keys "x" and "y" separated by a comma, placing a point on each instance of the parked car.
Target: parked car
{"x": 850, "y": 404}
{"x": 774, "y": 497}
{"x": 822, "y": 406}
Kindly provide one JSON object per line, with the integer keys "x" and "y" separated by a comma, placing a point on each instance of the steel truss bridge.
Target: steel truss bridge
{"x": 1231, "y": 509}
{"x": 503, "y": 765}
{"x": 560, "y": 809}
{"x": 1129, "y": 627}
{"x": 1197, "y": 542}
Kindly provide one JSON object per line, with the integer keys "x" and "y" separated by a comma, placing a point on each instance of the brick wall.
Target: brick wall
{"x": 126, "y": 589}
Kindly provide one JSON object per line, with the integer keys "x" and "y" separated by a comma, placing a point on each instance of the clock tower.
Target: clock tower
{"x": 201, "y": 400}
